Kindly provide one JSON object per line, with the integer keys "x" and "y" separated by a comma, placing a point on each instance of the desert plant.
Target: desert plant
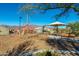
{"x": 74, "y": 28}
{"x": 44, "y": 53}
{"x": 19, "y": 49}
{"x": 48, "y": 53}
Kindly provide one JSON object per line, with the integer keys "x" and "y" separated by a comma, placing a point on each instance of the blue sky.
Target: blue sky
{"x": 9, "y": 16}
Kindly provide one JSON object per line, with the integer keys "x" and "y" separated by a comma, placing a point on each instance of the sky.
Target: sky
{"x": 9, "y": 16}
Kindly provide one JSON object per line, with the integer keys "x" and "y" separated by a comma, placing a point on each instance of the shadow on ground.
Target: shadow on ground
{"x": 65, "y": 44}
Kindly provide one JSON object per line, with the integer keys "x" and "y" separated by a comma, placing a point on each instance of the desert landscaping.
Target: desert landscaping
{"x": 39, "y": 29}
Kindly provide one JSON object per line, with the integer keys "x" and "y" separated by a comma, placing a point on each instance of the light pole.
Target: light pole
{"x": 27, "y": 20}
{"x": 20, "y": 25}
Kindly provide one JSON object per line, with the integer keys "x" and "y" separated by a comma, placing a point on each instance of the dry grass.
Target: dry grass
{"x": 28, "y": 42}
{"x": 8, "y": 42}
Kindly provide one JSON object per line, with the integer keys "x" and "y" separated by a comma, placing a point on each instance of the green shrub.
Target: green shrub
{"x": 41, "y": 54}
{"x": 47, "y": 53}
{"x": 74, "y": 27}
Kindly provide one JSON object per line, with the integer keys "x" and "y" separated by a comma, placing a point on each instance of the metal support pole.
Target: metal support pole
{"x": 27, "y": 20}
{"x": 57, "y": 30}
{"x": 20, "y": 25}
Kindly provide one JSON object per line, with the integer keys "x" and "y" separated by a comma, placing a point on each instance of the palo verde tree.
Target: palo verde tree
{"x": 74, "y": 28}
{"x": 43, "y": 7}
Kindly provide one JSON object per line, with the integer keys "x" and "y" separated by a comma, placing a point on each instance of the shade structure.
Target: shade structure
{"x": 56, "y": 24}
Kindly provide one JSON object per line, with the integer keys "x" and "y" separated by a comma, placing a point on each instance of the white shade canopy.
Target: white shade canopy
{"x": 57, "y": 24}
